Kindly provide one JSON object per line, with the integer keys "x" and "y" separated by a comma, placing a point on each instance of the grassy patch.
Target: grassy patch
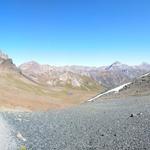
{"x": 23, "y": 148}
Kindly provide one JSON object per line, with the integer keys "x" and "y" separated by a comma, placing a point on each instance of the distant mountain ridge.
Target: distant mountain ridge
{"x": 58, "y": 76}
{"x": 76, "y": 76}
{"x": 109, "y": 76}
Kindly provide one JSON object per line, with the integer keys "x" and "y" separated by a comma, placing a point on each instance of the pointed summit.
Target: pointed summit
{"x": 7, "y": 65}
{"x": 3, "y": 55}
{"x": 114, "y": 65}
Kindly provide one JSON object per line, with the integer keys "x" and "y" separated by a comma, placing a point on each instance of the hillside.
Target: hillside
{"x": 138, "y": 87}
{"x": 19, "y": 91}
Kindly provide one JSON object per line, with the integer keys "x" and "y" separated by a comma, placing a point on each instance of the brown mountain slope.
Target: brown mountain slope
{"x": 18, "y": 91}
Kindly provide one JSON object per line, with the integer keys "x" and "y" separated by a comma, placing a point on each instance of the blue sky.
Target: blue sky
{"x": 76, "y": 32}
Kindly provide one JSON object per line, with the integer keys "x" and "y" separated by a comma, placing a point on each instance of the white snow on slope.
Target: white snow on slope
{"x": 144, "y": 75}
{"x": 6, "y": 140}
{"x": 115, "y": 90}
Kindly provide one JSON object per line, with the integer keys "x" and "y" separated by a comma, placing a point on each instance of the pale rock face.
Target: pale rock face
{"x": 76, "y": 83}
{"x": 71, "y": 78}
{"x": 52, "y": 82}
{"x": 64, "y": 77}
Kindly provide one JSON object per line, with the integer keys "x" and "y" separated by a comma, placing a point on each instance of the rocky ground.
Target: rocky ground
{"x": 7, "y": 141}
{"x": 121, "y": 124}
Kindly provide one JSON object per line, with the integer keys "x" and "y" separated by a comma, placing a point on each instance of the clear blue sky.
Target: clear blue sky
{"x": 79, "y": 32}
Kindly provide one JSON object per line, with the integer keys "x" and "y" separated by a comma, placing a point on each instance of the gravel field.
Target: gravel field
{"x": 122, "y": 124}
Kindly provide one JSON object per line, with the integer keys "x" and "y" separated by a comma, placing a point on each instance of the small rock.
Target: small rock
{"x": 20, "y": 137}
{"x": 139, "y": 114}
{"x": 132, "y": 115}
{"x": 19, "y": 119}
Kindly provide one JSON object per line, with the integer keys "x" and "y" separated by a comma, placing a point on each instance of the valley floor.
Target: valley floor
{"x": 121, "y": 124}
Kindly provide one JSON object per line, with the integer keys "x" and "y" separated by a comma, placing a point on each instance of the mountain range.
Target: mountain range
{"x": 19, "y": 90}
{"x": 34, "y": 86}
{"x": 86, "y": 77}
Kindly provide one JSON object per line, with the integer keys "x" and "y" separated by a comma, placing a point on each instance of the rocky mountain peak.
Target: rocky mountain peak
{"x": 31, "y": 66}
{"x": 3, "y": 55}
{"x": 33, "y": 63}
{"x": 116, "y": 64}
{"x": 7, "y": 65}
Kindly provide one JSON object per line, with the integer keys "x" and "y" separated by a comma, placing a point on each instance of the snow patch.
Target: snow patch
{"x": 115, "y": 90}
{"x": 144, "y": 75}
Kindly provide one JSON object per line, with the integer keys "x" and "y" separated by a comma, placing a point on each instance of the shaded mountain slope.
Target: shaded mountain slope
{"x": 138, "y": 87}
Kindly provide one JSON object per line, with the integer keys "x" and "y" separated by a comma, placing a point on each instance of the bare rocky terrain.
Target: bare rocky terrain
{"x": 120, "y": 123}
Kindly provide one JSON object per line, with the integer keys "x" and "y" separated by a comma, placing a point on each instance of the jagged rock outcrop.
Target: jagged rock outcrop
{"x": 7, "y": 65}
